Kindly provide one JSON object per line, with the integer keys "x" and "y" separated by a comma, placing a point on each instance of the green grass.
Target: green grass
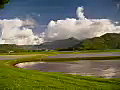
{"x": 12, "y": 78}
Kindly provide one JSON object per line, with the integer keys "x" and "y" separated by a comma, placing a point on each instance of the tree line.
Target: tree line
{"x": 3, "y": 2}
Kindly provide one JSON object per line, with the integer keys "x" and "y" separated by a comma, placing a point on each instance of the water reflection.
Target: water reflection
{"x": 104, "y": 68}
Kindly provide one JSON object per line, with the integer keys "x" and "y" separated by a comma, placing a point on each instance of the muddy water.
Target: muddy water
{"x": 12, "y": 57}
{"x": 104, "y": 68}
{"x": 86, "y": 55}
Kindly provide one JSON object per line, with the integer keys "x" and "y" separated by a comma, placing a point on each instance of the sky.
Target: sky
{"x": 46, "y": 10}
{"x": 32, "y": 22}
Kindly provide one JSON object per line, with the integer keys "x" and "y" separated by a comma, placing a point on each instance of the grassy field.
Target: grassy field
{"x": 12, "y": 78}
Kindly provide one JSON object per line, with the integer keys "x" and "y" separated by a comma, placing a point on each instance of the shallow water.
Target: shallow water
{"x": 86, "y": 55}
{"x": 104, "y": 68}
{"x": 12, "y": 57}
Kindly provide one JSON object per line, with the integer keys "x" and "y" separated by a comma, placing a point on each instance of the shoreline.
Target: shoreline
{"x": 27, "y": 78}
{"x": 50, "y": 58}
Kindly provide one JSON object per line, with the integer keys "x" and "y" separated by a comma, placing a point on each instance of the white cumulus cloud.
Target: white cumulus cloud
{"x": 16, "y": 31}
{"x": 81, "y": 28}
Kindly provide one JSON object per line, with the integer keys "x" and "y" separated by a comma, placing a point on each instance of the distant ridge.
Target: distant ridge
{"x": 65, "y": 43}
{"x": 106, "y": 41}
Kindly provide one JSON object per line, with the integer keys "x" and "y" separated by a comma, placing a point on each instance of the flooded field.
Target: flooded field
{"x": 86, "y": 55}
{"x": 104, "y": 68}
{"x": 13, "y": 57}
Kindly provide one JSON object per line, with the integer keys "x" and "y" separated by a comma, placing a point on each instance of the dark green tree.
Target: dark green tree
{"x": 3, "y": 2}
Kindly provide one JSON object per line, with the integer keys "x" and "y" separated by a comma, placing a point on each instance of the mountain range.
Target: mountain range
{"x": 106, "y": 41}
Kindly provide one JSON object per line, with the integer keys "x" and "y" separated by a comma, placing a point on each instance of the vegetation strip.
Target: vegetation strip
{"x": 12, "y": 78}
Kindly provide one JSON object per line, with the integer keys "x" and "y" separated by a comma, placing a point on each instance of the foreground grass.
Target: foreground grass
{"x": 12, "y": 78}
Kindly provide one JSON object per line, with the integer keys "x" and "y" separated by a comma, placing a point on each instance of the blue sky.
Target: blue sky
{"x": 45, "y": 10}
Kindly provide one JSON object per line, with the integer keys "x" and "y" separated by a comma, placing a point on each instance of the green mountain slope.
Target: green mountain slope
{"x": 66, "y": 43}
{"x": 107, "y": 41}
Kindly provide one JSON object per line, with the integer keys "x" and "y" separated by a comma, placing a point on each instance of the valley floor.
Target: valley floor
{"x": 13, "y": 78}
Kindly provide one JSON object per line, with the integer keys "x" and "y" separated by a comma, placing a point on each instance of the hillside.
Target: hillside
{"x": 5, "y": 48}
{"x": 66, "y": 43}
{"x": 107, "y": 41}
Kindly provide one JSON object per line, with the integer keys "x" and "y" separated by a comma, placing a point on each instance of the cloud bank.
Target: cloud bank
{"x": 81, "y": 28}
{"x": 16, "y": 31}
{"x": 20, "y": 32}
